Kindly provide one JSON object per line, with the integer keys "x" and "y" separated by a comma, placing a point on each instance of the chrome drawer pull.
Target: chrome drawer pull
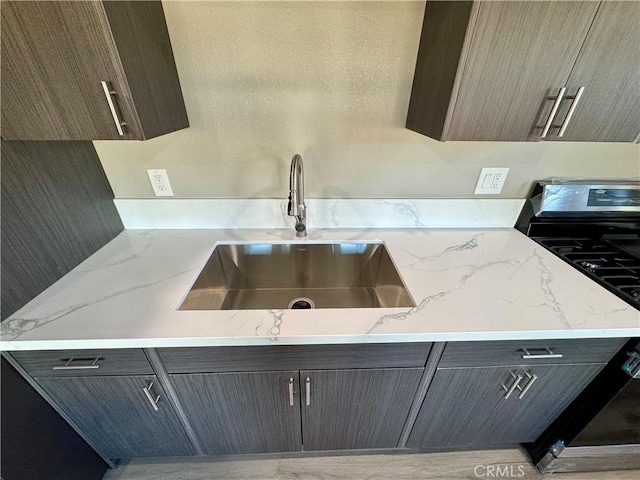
{"x": 514, "y": 385}
{"x": 307, "y": 386}
{"x": 574, "y": 104}
{"x": 527, "y": 355}
{"x": 554, "y": 112}
{"x": 67, "y": 366}
{"x": 291, "y": 392}
{"x": 153, "y": 401}
{"x": 532, "y": 379}
{"x": 108, "y": 93}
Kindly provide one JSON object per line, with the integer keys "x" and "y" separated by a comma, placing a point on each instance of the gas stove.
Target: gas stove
{"x": 593, "y": 226}
{"x": 610, "y": 266}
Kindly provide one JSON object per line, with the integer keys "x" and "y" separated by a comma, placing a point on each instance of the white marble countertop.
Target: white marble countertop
{"x": 468, "y": 284}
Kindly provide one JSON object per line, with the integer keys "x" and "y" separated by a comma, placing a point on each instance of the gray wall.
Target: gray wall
{"x": 330, "y": 80}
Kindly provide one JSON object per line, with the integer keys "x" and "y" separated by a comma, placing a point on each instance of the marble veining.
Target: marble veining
{"x": 15, "y": 327}
{"x": 546, "y": 279}
{"x": 406, "y": 208}
{"x": 389, "y": 317}
{"x": 468, "y": 284}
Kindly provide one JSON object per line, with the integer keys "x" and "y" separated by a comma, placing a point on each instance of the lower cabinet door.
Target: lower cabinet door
{"x": 473, "y": 406}
{"x": 543, "y": 394}
{"x": 253, "y": 412}
{"x": 120, "y": 419}
{"x": 459, "y": 403}
{"x": 352, "y": 409}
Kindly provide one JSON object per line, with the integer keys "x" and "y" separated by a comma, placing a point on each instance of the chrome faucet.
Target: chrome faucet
{"x": 296, "y": 207}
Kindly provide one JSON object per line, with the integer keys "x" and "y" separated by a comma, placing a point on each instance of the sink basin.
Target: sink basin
{"x": 281, "y": 276}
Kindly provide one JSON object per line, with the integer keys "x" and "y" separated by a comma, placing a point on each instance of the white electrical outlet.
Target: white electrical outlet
{"x": 491, "y": 181}
{"x": 160, "y": 182}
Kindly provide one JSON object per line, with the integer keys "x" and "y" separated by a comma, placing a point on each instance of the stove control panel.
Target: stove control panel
{"x": 562, "y": 199}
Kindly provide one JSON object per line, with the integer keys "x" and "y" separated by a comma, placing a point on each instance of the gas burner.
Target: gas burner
{"x": 590, "y": 265}
{"x": 608, "y": 273}
{"x": 613, "y": 268}
{"x": 633, "y": 292}
{"x": 578, "y": 246}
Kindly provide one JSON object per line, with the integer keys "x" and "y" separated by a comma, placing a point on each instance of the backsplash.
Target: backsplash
{"x": 321, "y": 213}
{"x": 331, "y": 81}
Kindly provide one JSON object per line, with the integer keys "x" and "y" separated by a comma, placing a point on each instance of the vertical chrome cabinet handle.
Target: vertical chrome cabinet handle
{"x": 152, "y": 400}
{"x": 291, "y": 392}
{"x": 307, "y": 391}
{"x": 554, "y": 112}
{"x": 532, "y": 379}
{"x": 108, "y": 93}
{"x": 68, "y": 366}
{"x": 574, "y": 104}
{"x": 528, "y": 356}
{"x": 514, "y": 385}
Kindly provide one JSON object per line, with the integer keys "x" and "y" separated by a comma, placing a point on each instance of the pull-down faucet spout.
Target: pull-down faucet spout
{"x": 296, "y": 207}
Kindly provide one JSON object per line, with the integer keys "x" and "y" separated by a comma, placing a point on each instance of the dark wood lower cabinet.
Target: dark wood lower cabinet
{"x": 115, "y": 413}
{"x": 524, "y": 420}
{"x": 312, "y": 409}
{"x": 467, "y": 406}
{"x": 252, "y": 412}
{"x": 259, "y": 412}
{"x": 354, "y": 409}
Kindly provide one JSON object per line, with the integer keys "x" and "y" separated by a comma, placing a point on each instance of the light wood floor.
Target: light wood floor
{"x": 432, "y": 466}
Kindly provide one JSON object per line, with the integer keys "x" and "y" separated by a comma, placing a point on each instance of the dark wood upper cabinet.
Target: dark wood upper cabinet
{"x": 494, "y": 70}
{"x": 608, "y": 68}
{"x": 58, "y": 57}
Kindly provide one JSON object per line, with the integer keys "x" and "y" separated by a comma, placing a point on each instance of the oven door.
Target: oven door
{"x": 600, "y": 430}
{"x": 618, "y": 423}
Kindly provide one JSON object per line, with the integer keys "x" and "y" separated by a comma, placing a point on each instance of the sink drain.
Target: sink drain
{"x": 301, "y": 303}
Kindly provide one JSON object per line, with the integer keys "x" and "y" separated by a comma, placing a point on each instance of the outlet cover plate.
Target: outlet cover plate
{"x": 491, "y": 181}
{"x": 160, "y": 182}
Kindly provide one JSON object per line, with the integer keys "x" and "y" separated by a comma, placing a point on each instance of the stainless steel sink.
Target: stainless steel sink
{"x": 280, "y": 276}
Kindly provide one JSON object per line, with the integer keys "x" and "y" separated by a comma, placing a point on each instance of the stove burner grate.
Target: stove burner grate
{"x": 613, "y": 268}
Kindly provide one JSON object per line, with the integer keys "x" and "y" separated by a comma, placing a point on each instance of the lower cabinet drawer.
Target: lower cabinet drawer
{"x": 530, "y": 352}
{"x": 80, "y": 363}
{"x": 293, "y": 357}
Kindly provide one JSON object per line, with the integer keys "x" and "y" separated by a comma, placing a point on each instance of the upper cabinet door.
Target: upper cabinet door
{"x": 520, "y": 54}
{"x": 88, "y": 71}
{"x": 510, "y": 57}
{"x": 608, "y": 68}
